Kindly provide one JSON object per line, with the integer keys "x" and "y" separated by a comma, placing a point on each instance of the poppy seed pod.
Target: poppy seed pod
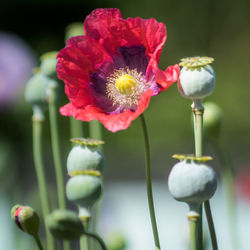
{"x": 116, "y": 241}
{"x": 82, "y": 159}
{"x": 192, "y": 182}
{"x": 212, "y": 119}
{"x": 197, "y": 78}
{"x": 36, "y": 91}
{"x": 84, "y": 190}
{"x": 48, "y": 63}
{"x": 65, "y": 225}
{"x": 26, "y": 219}
{"x": 74, "y": 29}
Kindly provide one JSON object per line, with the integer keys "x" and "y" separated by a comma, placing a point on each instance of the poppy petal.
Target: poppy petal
{"x": 112, "y": 122}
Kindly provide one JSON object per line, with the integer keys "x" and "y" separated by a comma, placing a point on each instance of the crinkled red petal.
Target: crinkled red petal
{"x": 108, "y": 28}
{"x": 166, "y": 78}
{"x": 81, "y": 56}
{"x": 112, "y": 122}
{"x": 149, "y": 33}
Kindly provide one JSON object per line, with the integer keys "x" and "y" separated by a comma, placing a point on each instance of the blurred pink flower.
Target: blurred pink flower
{"x": 243, "y": 182}
{"x": 16, "y": 64}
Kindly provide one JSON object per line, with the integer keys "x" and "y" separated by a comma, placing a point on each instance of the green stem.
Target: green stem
{"x": 84, "y": 240}
{"x": 149, "y": 184}
{"x": 84, "y": 217}
{"x": 76, "y": 128}
{"x": 55, "y": 146}
{"x": 95, "y": 131}
{"x": 53, "y": 110}
{"x": 66, "y": 245}
{"x": 38, "y": 242}
{"x": 193, "y": 232}
{"x": 198, "y": 136}
{"x": 84, "y": 243}
{"x": 198, "y": 131}
{"x": 98, "y": 238}
{"x": 198, "y": 110}
{"x": 37, "y": 120}
{"x": 211, "y": 224}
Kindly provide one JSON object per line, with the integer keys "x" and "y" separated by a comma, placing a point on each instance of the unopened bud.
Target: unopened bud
{"x": 212, "y": 119}
{"x": 26, "y": 219}
{"x": 65, "y": 225}
{"x": 74, "y": 29}
{"x": 48, "y": 63}
{"x": 36, "y": 91}
{"x": 116, "y": 241}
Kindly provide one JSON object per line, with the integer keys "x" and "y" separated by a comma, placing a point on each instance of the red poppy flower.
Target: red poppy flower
{"x": 111, "y": 72}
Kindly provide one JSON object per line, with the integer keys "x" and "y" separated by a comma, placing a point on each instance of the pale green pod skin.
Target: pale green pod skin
{"x": 192, "y": 182}
{"x": 36, "y": 89}
{"x": 48, "y": 67}
{"x": 74, "y": 29}
{"x": 82, "y": 158}
{"x": 48, "y": 63}
{"x": 116, "y": 241}
{"x": 27, "y": 219}
{"x": 212, "y": 119}
{"x": 84, "y": 190}
{"x": 197, "y": 82}
{"x": 65, "y": 225}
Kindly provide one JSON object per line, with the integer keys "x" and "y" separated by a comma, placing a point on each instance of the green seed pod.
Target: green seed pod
{"x": 197, "y": 78}
{"x": 82, "y": 159}
{"x": 48, "y": 63}
{"x": 116, "y": 241}
{"x": 192, "y": 182}
{"x": 84, "y": 190}
{"x": 74, "y": 29}
{"x": 36, "y": 91}
{"x": 212, "y": 119}
{"x": 65, "y": 225}
{"x": 26, "y": 219}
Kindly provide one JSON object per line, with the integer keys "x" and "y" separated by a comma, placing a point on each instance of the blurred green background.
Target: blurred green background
{"x": 195, "y": 28}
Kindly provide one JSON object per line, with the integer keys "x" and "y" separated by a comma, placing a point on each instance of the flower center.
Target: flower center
{"x": 125, "y": 87}
{"x": 125, "y": 84}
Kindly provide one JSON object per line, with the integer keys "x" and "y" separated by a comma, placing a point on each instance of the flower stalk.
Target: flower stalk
{"x": 84, "y": 217}
{"x": 38, "y": 242}
{"x": 95, "y": 131}
{"x": 149, "y": 183}
{"x": 210, "y": 224}
{"x": 198, "y": 111}
{"x": 193, "y": 230}
{"x": 56, "y": 150}
{"x": 55, "y": 145}
{"x": 76, "y": 128}
{"x": 97, "y": 238}
{"x": 37, "y": 121}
